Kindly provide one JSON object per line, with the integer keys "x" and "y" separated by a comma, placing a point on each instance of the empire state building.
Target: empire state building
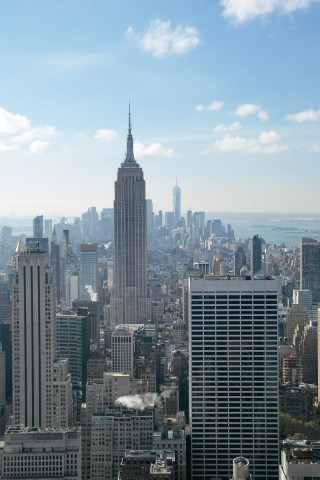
{"x": 129, "y": 302}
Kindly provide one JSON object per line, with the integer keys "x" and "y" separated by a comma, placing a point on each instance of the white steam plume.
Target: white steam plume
{"x": 143, "y": 401}
{"x": 93, "y": 295}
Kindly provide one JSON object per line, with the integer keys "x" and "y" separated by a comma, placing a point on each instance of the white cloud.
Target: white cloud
{"x": 242, "y": 144}
{"x": 129, "y": 32}
{"x": 276, "y": 148}
{"x": 35, "y": 133}
{"x": 267, "y": 143}
{"x": 315, "y": 148}
{"x": 106, "y": 134}
{"x": 17, "y": 129}
{"x": 213, "y": 107}
{"x": 39, "y": 146}
{"x": 262, "y": 115}
{"x": 251, "y": 109}
{"x": 309, "y": 115}
{"x": 269, "y": 137}
{"x": 162, "y": 39}
{"x": 4, "y": 147}
{"x": 11, "y": 123}
{"x": 152, "y": 150}
{"x": 244, "y": 10}
{"x": 228, "y": 128}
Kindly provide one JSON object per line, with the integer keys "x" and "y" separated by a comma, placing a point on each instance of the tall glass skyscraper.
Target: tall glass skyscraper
{"x": 129, "y": 297}
{"x": 310, "y": 267}
{"x": 233, "y": 384}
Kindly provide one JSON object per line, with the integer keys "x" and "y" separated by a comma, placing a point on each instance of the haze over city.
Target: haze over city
{"x": 224, "y": 94}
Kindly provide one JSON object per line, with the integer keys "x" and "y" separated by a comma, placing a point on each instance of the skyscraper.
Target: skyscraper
{"x": 38, "y": 226}
{"x": 89, "y": 273}
{"x": 255, "y": 248}
{"x": 33, "y": 340}
{"x": 129, "y": 299}
{"x": 310, "y": 267}
{"x": 122, "y": 351}
{"x": 233, "y": 376}
{"x": 177, "y": 204}
{"x": 41, "y": 385}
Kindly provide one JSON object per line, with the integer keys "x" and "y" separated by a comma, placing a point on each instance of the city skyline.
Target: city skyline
{"x": 210, "y": 85}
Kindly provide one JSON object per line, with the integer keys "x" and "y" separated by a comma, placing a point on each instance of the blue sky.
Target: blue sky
{"x": 225, "y": 94}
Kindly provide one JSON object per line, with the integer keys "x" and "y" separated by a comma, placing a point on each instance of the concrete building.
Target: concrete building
{"x": 233, "y": 375}
{"x": 103, "y": 393}
{"x": 297, "y": 401}
{"x": 129, "y": 298}
{"x": 296, "y": 316}
{"x": 303, "y": 297}
{"x": 33, "y": 327}
{"x": 310, "y": 267}
{"x": 147, "y": 464}
{"x": 122, "y": 347}
{"x": 42, "y": 453}
{"x": 300, "y": 460}
{"x": 112, "y": 434}
{"x": 292, "y": 370}
{"x": 171, "y": 435}
{"x": 62, "y": 395}
{"x": 88, "y": 273}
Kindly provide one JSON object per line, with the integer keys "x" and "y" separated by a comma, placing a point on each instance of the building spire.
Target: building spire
{"x": 129, "y": 155}
{"x": 130, "y": 126}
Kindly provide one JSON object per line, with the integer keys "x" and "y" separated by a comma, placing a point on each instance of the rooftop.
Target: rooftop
{"x": 18, "y": 429}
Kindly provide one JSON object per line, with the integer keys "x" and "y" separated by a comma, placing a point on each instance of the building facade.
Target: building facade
{"x": 310, "y": 267}
{"x": 33, "y": 339}
{"x": 88, "y": 273}
{"x": 122, "y": 343}
{"x": 255, "y": 248}
{"x": 112, "y": 434}
{"x": 129, "y": 299}
{"x": 41, "y": 453}
{"x": 233, "y": 385}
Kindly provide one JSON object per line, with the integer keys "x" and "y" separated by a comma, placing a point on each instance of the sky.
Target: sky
{"x": 224, "y": 96}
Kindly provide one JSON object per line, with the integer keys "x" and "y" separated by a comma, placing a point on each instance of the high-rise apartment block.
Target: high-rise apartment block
{"x": 310, "y": 267}
{"x": 233, "y": 385}
{"x": 129, "y": 298}
{"x": 33, "y": 331}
